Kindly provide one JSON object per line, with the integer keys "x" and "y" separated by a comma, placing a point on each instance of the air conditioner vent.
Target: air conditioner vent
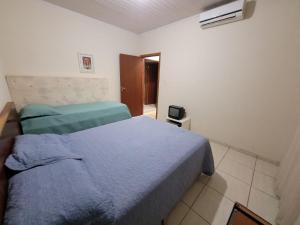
{"x": 228, "y": 13}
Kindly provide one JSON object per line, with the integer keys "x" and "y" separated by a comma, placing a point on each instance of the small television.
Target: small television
{"x": 176, "y": 112}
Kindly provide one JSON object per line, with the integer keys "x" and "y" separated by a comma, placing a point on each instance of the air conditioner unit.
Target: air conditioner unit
{"x": 227, "y": 13}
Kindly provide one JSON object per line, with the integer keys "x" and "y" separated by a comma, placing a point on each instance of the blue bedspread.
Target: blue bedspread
{"x": 132, "y": 172}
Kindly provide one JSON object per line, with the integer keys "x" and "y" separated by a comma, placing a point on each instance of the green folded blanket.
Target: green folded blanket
{"x": 41, "y": 119}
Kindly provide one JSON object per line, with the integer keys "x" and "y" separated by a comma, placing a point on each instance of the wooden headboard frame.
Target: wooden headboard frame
{"x": 9, "y": 129}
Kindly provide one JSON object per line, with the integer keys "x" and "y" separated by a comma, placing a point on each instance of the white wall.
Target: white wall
{"x": 38, "y": 38}
{"x": 239, "y": 82}
{"x": 298, "y": 221}
{"x": 4, "y": 95}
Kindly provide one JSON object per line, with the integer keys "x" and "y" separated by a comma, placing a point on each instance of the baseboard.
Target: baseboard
{"x": 245, "y": 151}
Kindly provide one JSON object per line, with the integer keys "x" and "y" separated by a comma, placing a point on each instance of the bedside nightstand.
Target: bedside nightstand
{"x": 184, "y": 123}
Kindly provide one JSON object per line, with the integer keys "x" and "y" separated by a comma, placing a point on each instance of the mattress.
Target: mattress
{"x": 77, "y": 117}
{"x": 132, "y": 172}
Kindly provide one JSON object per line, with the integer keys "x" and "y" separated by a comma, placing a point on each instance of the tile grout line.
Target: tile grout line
{"x": 205, "y": 186}
{"x": 198, "y": 195}
{"x": 253, "y": 170}
{"x": 242, "y": 164}
{"x": 222, "y": 158}
{"x": 251, "y": 183}
{"x": 272, "y": 165}
{"x": 200, "y": 216}
{"x": 208, "y": 186}
{"x": 253, "y": 187}
{"x": 185, "y": 215}
{"x": 223, "y": 195}
{"x": 190, "y": 208}
{"x": 260, "y": 171}
{"x": 267, "y": 175}
{"x": 239, "y": 179}
{"x": 264, "y": 192}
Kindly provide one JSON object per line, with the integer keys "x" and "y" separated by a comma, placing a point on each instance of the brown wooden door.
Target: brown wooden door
{"x": 132, "y": 78}
{"x": 151, "y": 80}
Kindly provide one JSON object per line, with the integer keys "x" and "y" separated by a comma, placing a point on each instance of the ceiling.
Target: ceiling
{"x": 138, "y": 15}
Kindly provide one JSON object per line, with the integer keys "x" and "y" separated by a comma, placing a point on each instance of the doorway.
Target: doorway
{"x": 151, "y": 81}
{"x": 139, "y": 78}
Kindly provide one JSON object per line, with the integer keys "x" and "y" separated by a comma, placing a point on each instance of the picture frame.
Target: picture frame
{"x": 86, "y": 63}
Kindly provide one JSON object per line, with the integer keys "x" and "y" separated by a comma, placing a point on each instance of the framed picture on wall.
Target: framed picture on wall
{"x": 86, "y": 63}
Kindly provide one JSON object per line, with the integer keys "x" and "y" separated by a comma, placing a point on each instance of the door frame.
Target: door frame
{"x": 158, "y": 77}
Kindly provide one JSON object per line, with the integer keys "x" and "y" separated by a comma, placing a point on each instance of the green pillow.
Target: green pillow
{"x": 37, "y": 110}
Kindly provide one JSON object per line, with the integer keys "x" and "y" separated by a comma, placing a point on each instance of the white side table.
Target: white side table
{"x": 184, "y": 123}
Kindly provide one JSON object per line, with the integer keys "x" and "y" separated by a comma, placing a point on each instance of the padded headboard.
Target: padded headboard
{"x": 56, "y": 90}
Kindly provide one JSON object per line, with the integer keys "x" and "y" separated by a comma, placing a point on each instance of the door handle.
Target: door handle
{"x": 123, "y": 89}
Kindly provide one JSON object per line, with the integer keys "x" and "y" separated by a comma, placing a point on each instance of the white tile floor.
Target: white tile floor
{"x": 150, "y": 110}
{"x": 238, "y": 177}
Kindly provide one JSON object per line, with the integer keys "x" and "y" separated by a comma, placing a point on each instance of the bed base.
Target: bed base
{"x": 9, "y": 129}
{"x": 10, "y": 125}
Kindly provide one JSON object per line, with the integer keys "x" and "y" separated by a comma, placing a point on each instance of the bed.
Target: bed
{"x": 41, "y": 118}
{"x": 132, "y": 172}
